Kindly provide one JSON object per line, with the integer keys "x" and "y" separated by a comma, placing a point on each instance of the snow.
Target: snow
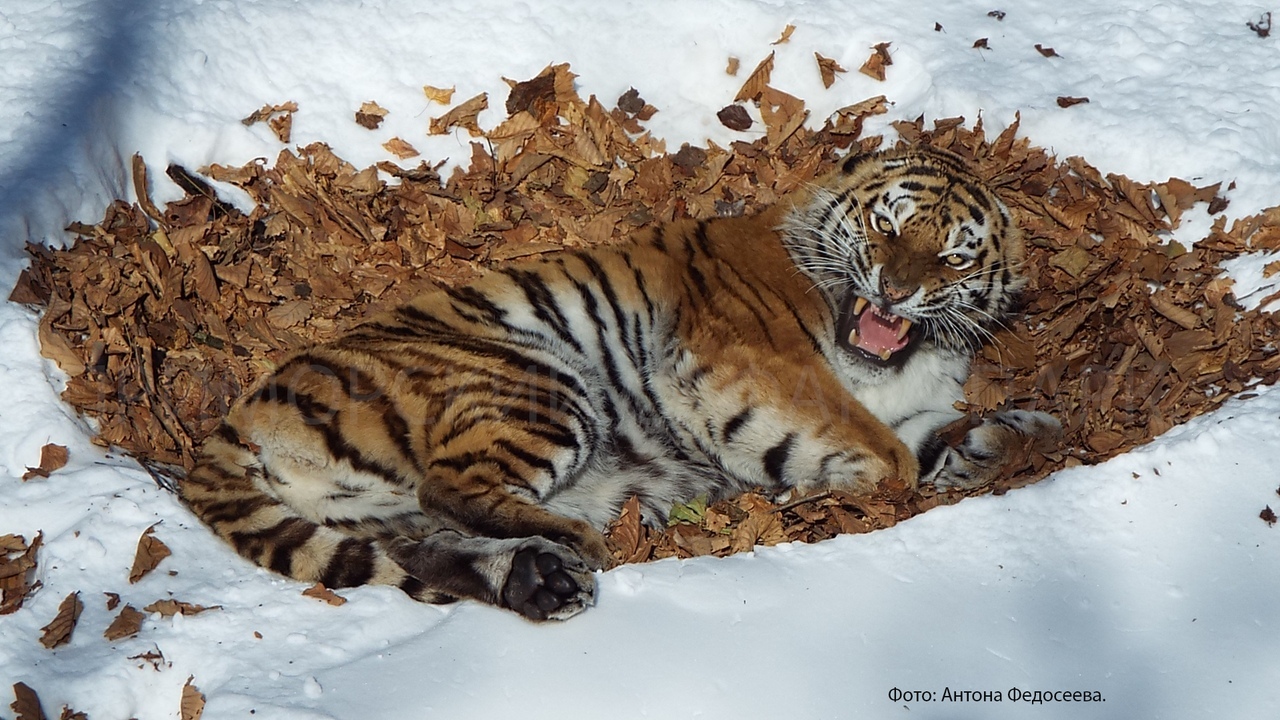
{"x": 1149, "y": 579}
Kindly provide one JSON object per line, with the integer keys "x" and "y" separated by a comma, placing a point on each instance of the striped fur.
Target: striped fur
{"x": 474, "y": 442}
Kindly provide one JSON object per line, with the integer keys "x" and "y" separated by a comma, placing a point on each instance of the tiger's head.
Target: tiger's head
{"x": 910, "y": 249}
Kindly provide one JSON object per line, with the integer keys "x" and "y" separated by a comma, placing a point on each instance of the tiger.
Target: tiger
{"x": 475, "y": 442}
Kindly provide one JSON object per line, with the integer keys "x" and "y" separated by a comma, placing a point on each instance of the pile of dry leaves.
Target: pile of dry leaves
{"x": 162, "y": 316}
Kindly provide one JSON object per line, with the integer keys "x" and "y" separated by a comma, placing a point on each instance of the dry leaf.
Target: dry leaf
{"x": 278, "y": 117}
{"x": 828, "y": 68}
{"x": 269, "y": 110}
{"x": 26, "y": 704}
{"x": 734, "y": 117}
{"x": 879, "y": 60}
{"x": 151, "y": 550}
{"x": 627, "y": 535}
{"x": 282, "y": 126}
{"x": 58, "y": 631}
{"x": 192, "y": 705}
{"x": 444, "y": 96}
{"x": 69, "y": 714}
{"x": 1262, "y": 27}
{"x": 1046, "y": 51}
{"x": 463, "y": 116}
{"x": 1268, "y": 516}
{"x": 171, "y": 607}
{"x": 126, "y": 624}
{"x": 1067, "y": 101}
{"x": 52, "y": 457}
{"x": 370, "y": 115}
{"x": 320, "y": 592}
{"x": 57, "y": 348}
{"x": 981, "y": 44}
{"x": 786, "y": 35}
{"x": 17, "y": 565}
{"x": 756, "y": 82}
{"x": 732, "y": 67}
{"x": 400, "y": 148}
{"x": 113, "y": 600}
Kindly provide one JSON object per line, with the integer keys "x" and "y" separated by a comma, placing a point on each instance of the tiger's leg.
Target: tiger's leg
{"x": 533, "y": 576}
{"x": 781, "y": 424}
{"x": 488, "y": 474}
{"x": 990, "y": 448}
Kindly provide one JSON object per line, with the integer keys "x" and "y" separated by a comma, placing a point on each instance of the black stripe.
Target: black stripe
{"x": 775, "y": 459}
{"x": 289, "y": 535}
{"x": 704, "y": 242}
{"x": 478, "y": 300}
{"x": 536, "y": 462}
{"x": 239, "y": 508}
{"x": 351, "y": 564}
{"x": 695, "y": 274}
{"x": 735, "y": 424}
{"x": 544, "y": 304}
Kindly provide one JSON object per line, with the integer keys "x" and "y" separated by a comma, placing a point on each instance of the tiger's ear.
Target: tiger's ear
{"x": 854, "y": 161}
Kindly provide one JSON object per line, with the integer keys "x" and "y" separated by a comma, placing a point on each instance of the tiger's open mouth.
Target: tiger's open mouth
{"x": 871, "y": 330}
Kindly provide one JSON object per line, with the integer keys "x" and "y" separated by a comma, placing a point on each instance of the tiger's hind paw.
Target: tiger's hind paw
{"x": 548, "y": 582}
{"x": 993, "y": 446}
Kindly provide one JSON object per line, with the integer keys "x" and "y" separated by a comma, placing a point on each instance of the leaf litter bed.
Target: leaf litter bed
{"x": 162, "y": 317}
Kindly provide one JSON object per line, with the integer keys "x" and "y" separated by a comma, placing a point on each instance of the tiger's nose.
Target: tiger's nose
{"x": 894, "y": 291}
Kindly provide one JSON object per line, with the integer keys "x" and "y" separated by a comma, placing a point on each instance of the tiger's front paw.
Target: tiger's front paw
{"x": 990, "y": 448}
{"x": 548, "y": 581}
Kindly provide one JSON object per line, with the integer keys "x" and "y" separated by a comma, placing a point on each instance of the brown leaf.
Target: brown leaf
{"x": 320, "y": 592}
{"x": 734, "y": 117}
{"x": 269, "y": 110}
{"x": 1262, "y": 27}
{"x": 444, "y": 96}
{"x": 1046, "y": 51}
{"x": 879, "y": 60}
{"x": 828, "y": 69}
{"x": 171, "y": 607}
{"x": 1073, "y": 260}
{"x": 732, "y": 67}
{"x": 464, "y": 116}
{"x": 52, "y": 457}
{"x": 288, "y": 314}
{"x": 756, "y": 82}
{"x": 1161, "y": 303}
{"x": 400, "y": 148}
{"x": 126, "y": 624}
{"x": 282, "y": 126}
{"x": 1066, "y": 101}
{"x": 69, "y": 714}
{"x": 151, "y": 550}
{"x": 627, "y": 535}
{"x": 981, "y": 44}
{"x": 783, "y": 114}
{"x": 761, "y": 527}
{"x": 17, "y": 563}
{"x": 27, "y": 291}
{"x": 1268, "y": 516}
{"x": 786, "y": 35}
{"x": 26, "y": 704}
{"x": 370, "y": 115}
{"x": 113, "y": 600}
{"x": 58, "y": 631}
{"x": 192, "y": 705}
{"x": 55, "y": 346}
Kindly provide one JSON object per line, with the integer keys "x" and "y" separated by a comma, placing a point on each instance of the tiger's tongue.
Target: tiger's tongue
{"x": 878, "y": 333}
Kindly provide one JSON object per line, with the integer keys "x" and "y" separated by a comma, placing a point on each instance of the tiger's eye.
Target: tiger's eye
{"x": 882, "y": 224}
{"x": 957, "y": 261}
